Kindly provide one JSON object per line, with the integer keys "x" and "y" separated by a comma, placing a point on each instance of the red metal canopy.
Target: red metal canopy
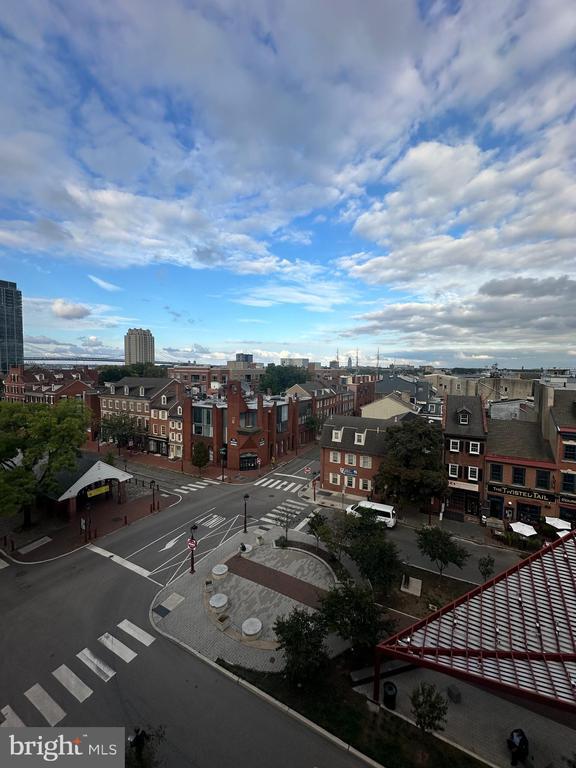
{"x": 517, "y": 632}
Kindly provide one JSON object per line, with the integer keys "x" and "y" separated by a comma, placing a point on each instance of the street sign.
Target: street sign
{"x": 350, "y": 472}
{"x": 307, "y": 470}
{"x": 192, "y": 544}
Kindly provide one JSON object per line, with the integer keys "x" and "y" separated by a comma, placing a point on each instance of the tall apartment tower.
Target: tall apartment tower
{"x": 11, "y": 339}
{"x": 138, "y": 346}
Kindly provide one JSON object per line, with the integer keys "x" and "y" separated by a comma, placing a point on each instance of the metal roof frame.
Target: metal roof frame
{"x": 515, "y": 633}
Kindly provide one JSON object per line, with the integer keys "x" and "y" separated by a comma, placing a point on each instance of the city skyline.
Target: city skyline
{"x": 292, "y": 180}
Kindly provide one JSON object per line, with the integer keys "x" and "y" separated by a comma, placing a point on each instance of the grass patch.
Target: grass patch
{"x": 333, "y": 705}
{"x": 436, "y": 590}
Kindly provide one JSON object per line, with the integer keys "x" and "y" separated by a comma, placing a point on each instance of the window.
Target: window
{"x": 179, "y": 425}
{"x": 350, "y": 482}
{"x": 141, "y": 391}
{"x": 335, "y": 457}
{"x": 110, "y": 404}
{"x": 568, "y": 482}
{"x": 163, "y": 429}
{"x": 569, "y": 452}
{"x": 496, "y": 472}
{"x": 171, "y": 425}
{"x": 359, "y": 438}
{"x": 139, "y": 407}
{"x": 172, "y": 436}
{"x": 116, "y": 404}
{"x": 473, "y": 473}
{"x": 163, "y": 399}
{"x": 336, "y": 435}
{"x": 154, "y": 429}
{"x": 475, "y": 448}
{"x": 542, "y": 478}
{"x": 112, "y": 390}
{"x": 334, "y": 479}
{"x": 350, "y": 459}
{"x": 518, "y": 476}
{"x": 366, "y": 462}
{"x": 154, "y": 413}
{"x": 131, "y": 405}
{"x": 179, "y": 438}
{"x": 146, "y": 407}
{"x": 452, "y": 470}
{"x": 365, "y": 485}
{"x": 179, "y": 411}
{"x": 123, "y": 405}
{"x": 463, "y": 418}
{"x": 431, "y": 408}
{"x": 454, "y": 446}
{"x": 126, "y": 391}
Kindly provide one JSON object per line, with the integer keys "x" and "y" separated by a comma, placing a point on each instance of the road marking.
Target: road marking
{"x": 155, "y": 541}
{"x": 297, "y": 504}
{"x": 72, "y": 683}
{"x": 117, "y": 647}
{"x": 213, "y": 521}
{"x": 302, "y": 524}
{"x": 45, "y": 704}
{"x": 3, "y": 564}
{"x": 165, "y": 495}
{"x": 172, "y": 601}
{"x": 96, "y": 665}
{"x": 282, "y": 474}
{"x": 34, "y": 545}
{"x": 214, "y": 482}
{"x": 11, "y": 719}
{"x": 290, "y": 485}
{"x": 274, "y": 483}
{"x": 170, "y": 544}
{"x": 140, "y": 635}
{"x": 259, "y": 482}
{"x": 121, "y": 561}
{"x": 184, "y": 490}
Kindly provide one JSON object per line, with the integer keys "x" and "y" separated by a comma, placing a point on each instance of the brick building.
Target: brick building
{"x": 48, "y": 385}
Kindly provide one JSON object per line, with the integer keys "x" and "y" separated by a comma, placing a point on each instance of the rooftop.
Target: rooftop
{"x": 517, "y": 438}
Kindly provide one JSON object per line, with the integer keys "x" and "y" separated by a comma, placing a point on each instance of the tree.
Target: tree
{"x": 350, "y": 611}
{"x": 377, "y": 558}
{"x": 439, "y": 546}
{"x": 278, "y": 378}
{"x": 200, "y": 456}
{"x": 122, "y": 428}
{"x": 116, "y": 372}
{"x": 429, "y": 707}
{"x": 338, "y": 534}
{"x": 412, "y": 470}
{"x": 316, "y": 524}
{"x": 486, "y": 567}
{"x": 301, "y": 636}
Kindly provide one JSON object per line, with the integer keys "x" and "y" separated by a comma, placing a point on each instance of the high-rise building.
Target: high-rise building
{"x": 138, "y": 346}
{"x": 11, "y": 339}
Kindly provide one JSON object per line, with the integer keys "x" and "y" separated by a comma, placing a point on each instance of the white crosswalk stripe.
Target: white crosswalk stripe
{"x": 261, "y": 481}
{"x": 290, "y": 485}
{"x": 96, "y": 665}
{"x": 213, "y": 521}
{"x": 295, "y": 504}
{"x": 45, "y": 704}
{"x": 212, "y": 482}
{"x": 11, "y": 719}
{"x": 182, "y": 490}
{"x": 72, "y": 683}
{"x": 117, "y": 647}
{"x": 296, "y": 488}
{"x": 135, "y": 631}
{"x": 274, "y": 484}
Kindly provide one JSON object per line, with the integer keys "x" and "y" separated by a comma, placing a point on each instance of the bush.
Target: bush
{"x": 282, "y": 542}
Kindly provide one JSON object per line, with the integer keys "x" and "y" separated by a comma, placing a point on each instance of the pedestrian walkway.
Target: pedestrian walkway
{"x": 198, "y": 485}
{"x": 285, "y": 513}
{"x": 76, "y": 677}
{"x": 279, "y": 485}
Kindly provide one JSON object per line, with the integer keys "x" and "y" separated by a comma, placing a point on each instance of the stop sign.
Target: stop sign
{"x": 192, "y": 543}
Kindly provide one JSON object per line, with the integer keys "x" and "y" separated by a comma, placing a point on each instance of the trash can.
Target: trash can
{"x": 389, "y": 694}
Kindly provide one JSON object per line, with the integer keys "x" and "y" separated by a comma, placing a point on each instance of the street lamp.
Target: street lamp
{"x": 246, "y": 497}
{"x": 192, "y": 543}
{"x": 222, "y": 455}
{"x": 314, "y": 481}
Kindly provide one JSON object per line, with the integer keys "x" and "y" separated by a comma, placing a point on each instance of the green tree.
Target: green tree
{"x": 440, "y": 547}
{"x": 301, "y": 636}
{"x": 350, "y": 611}
{"x": 429, "y": 708}
{"x": 316, "y": 524}
{"x": 377, "y": 558}
{"x": 122, "y": 428}
{"x": 412, "y": 470}
{"x": 116, "y": 372}
{"x": 486, "y": 566}
{"x": 278, "y": 378}
{"x": 200, "y": 456}
{"x": 338, "y": 534}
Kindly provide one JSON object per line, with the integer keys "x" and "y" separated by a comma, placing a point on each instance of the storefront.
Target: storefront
{"x": 568, "y": 508}
{"x": 248, "y": 461}
{"x": 519, "y": 504}
{"x": 464, "y": 497}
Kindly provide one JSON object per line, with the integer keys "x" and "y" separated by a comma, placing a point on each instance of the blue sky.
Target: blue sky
{"x": 292, "y": 178}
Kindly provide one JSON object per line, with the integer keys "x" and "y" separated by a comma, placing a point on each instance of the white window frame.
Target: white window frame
{"x": 454, "y": 446}
{"x": 124, "y": 405}
{"x": 463, "y": 419}
{"x": 366, "y": 462}
{"x": 473, "y": 473}
{"x": 476, "y": 445}
{"x": 139, "y": 407}
{"x": 154, "y": 429}
{"x": 126, "y": 390}
{"x": 163, "y": 415}
{"x": 365, "y": 485}
{"x": 163, "y": 400}
{"x": 350, "y": 459}
{"x": 179, "y": 411}
{"x": 350, "y": 481}
{"x": 131, "y": 405}
{"x": 334, "y": 478}
{"x": 336, "y": 435}
{"x": 154, "y": 414}
{"x": 359, "y": 438}
{"x": 163, "y": 430}
{"x": 431, "y": 408}
{"x": 453, "y": 470}
{"x": 335, "y": 457}
{"x": 141, "y": 391}
{"x": 117, "y": 404}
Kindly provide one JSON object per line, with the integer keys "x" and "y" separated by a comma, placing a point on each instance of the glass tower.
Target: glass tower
{"x": 11, "y": 340}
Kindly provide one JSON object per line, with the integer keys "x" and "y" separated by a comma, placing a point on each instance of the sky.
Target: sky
{"x": 292, "y": 178}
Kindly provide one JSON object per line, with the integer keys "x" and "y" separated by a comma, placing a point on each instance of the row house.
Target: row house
{"x": 208, "y": 379}
{"x": 362, "y": 385}
{"x": 132, "y": 396}
{"x": 165, "y": 427}
{"x": 465, "y": 430}
{"x": 48, "y": 386}
{"x": 336, "y": 400}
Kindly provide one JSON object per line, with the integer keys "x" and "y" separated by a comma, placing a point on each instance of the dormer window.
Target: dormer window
{"x": 141, "y": 391}
{"x": 126, "y": 390}
{"x": 359, "y": 438}
{"x": 112, "y": 389}
{"x": 179, "y": 410}
{"x": 163, "y": 399}
{"x": 336, "y": 435}
{"x": 463, "y": 418}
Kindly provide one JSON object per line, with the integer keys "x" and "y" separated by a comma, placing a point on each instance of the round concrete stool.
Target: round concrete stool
{"x": 218, "y": 602}
{"x": 247, "y": 551}
{"x": 251, "y": 628}
{"x": 219, "y": 571}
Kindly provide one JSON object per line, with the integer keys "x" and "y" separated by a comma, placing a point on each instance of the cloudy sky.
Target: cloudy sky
{"x": 287, "y": 177}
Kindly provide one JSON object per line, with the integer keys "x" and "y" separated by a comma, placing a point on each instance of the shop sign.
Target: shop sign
{"x": 233, "y": 442}
{"x": 567, "y": 499}
{"x": 521, "y": 493}
{"x": 97, "y": 491}
{"x": 462, "y": 486}
{"x": 262, "y": 441}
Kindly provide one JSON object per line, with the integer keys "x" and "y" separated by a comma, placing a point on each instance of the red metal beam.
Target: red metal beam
{"x": 485, "y": 653}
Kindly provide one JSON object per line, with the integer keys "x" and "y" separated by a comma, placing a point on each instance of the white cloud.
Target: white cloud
{"x": 68, "y": 310}
{"x": 104, "y": 284}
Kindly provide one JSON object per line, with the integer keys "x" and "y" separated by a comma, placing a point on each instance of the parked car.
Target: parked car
{"x": 384, "y": 512}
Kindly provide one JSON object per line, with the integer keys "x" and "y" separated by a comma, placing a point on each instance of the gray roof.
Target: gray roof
{"x": 517, "y": 438}
{"x": 375, "y": 430}
{"x": 471, "y": 403}
{"x": 564, "y": 408}
{"x": 151, "y": 385}
{"x": 67, "y": 477}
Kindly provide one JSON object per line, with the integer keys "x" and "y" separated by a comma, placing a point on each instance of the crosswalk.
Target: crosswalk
{"x": 279, "y": 485}
{"x": 287, "y": 511}
{"x": 211, "y": 521}
{"x": 197, "y": 485}
{"x": 66, "y": 679}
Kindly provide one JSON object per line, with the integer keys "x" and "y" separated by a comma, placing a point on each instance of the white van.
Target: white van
{"x": 384, "y": 513}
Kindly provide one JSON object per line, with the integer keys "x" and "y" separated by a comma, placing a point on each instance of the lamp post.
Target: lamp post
{"x": 222, "y": 455}
{"x": 88, "y": 524}
{"x": 246, "y": 497}
{"x": 314, "y": 481}
{"x": 153, "y": 484}
{"x": 192, "y": 544}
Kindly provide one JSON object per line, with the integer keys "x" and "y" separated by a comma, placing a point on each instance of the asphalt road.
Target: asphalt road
{"x": 54, "y": 611}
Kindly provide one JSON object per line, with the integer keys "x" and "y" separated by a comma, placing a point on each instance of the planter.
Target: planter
{"x": 223, "y": 621}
